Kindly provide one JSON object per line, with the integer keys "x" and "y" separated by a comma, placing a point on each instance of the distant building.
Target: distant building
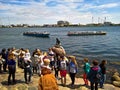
{"x": 63, "y": 23}
{"x": 107, "y": 23}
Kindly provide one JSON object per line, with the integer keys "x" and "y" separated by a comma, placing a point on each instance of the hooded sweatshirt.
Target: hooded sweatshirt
{"x": 93, "y": 73}
{"x": 47, "y": 81}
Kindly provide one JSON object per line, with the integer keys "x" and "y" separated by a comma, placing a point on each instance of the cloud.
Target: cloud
{"x": 110, "y": 5}
{"x": 103, "y": 6}
{"x": 50, "y": 11}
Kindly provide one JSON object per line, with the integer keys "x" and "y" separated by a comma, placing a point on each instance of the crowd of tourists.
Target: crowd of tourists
{"x": 50, "y": 67}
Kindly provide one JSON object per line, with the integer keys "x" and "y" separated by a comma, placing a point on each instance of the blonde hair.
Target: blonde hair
{"x": 45, "y": 53}
{"x": 73, "y": 59}
{"x": 46, "y": 62}
{"x": 27, "y": 50}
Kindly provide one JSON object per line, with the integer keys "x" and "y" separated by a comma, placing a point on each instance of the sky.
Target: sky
{"x": 50, "y": 11}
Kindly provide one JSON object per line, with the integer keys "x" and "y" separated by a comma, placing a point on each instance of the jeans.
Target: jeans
{"x": 12, "y": 69}
{"x": 27, "y": 70}
{"x": 103, "y": 78}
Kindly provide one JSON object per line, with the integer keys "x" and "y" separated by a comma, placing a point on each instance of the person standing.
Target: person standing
{"x": 27, "y": 67}
{"x": 35, "y": 58}
{"x": 51, "y": 57}
{"x": 103, "y": 71}
{"x": 11, "y": 67}
{"x": 72, "y": 68}
{"x": 86, "y": 70}
{"x": 3, "y": 52}
{"x": 63, "y": 70}
{"x": 57, "y": 66}
{"x": 92, "y": 75}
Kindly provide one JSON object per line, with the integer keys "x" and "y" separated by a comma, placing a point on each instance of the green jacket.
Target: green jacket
{"x": 86, "y": 67}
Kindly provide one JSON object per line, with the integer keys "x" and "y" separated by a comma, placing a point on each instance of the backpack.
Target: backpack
{"x": 94, "y": 76}
{"x": 98, "y": 75}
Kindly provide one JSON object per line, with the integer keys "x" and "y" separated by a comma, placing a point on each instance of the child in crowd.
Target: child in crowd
{"x": 63, "y": 70}
{"x": 86, "y": 70}
{"x": 92, "y": 75}
{"x": 103, "y": 71}
{"x": 72, "y": 69}
{"x": 27, "y": 67}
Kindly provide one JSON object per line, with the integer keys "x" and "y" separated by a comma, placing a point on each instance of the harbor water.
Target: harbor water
{"x": 93, "y": 47}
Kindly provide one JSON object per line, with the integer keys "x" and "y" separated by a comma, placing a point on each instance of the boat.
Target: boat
{"x": 37, "y": 34}
{"x": 83, "y": 33}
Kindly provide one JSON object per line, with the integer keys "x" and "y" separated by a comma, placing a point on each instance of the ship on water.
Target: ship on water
{"x": 82, "y": 33}
{"x": 37, "y": 34}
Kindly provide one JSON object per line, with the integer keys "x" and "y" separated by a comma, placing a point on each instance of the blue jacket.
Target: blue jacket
{"x": 72, "y": 68}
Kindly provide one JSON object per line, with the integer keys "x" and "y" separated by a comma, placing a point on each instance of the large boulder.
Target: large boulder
{"x": 116, "y": 83}
{"x": 116, "y": 73}
{"x": 115, "y": 78}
